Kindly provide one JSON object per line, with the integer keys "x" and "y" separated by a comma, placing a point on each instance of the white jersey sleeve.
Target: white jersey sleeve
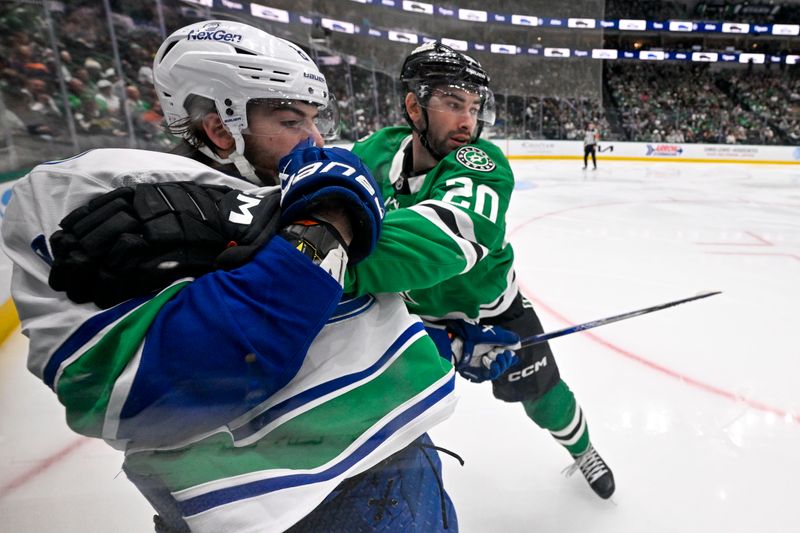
{"x": 44, "y": 197}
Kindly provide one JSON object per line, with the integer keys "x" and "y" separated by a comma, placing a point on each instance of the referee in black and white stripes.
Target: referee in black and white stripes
{"x": 590, "y": 139}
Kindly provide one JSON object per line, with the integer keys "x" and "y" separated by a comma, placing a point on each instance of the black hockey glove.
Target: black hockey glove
{"x": 134, "y": 240}
{"x": 320, "y": 242}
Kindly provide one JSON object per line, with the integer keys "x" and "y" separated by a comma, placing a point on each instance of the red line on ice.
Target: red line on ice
{"x": 43, "y": 466}
{"x": 712, "y": 389}
{"x": 755, "y": 404}
{"x": 760, "y": 241}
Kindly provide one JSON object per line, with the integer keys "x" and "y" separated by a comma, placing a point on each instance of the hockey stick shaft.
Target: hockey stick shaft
{"x": 543, "y": 337}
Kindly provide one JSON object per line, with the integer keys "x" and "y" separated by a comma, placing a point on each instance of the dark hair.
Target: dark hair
{"x": 190, "y": 127}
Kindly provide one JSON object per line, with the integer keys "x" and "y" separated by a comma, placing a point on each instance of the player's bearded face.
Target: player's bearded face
{"x": 452, "y": 118}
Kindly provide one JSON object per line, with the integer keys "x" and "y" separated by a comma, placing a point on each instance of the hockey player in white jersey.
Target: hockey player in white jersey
{"x": 249, "y": 396}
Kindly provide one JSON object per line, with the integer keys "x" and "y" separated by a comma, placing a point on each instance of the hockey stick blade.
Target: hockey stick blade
{"x": 542, "y": 337}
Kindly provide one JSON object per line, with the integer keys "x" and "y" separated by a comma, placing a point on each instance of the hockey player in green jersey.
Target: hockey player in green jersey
{"x": 443, "y": 244}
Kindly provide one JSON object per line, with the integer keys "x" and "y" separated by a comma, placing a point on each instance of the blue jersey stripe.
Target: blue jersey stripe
{"x": 57, "y": 161}
{"x": 83, "y": 334}
{"x": 198, "y": 504}
{"x": 298, "y": 401}
{"x": 352, "y": 308}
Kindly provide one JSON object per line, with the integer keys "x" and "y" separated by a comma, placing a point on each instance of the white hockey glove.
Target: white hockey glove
{"x": 478, "y": 352}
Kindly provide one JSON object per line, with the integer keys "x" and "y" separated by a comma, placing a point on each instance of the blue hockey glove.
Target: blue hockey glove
{"x": 478, "y": 352}
{"x": 318, "y": 178}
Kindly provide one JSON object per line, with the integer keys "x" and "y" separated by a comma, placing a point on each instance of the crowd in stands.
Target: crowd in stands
{"x": 548, "y": 118}
{"x": 368, "y": 100}
{"x": 774, "y": 96}
{"x": 659, "y": 103}
{"x": 754, "y": 12}
{"x": 74, "y": 94}
{"x": 751, "y": 11}
{"x": 645, "y": 9}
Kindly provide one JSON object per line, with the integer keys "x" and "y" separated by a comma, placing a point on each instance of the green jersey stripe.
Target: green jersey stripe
{"x": 86, "y": 384}
{"x": 305, "y": 442}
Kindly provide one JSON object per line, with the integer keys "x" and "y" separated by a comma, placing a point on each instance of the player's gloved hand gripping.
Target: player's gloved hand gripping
{"x": 319, "y": 181}
{"x": 134, "y": 240}
{"x": 478, "y": 352}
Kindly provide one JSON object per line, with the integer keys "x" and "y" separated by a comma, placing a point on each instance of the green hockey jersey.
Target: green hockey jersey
{"x": 442, "y": 244}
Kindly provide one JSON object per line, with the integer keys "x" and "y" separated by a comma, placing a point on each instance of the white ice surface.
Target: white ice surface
{"x": 696, "y": 408}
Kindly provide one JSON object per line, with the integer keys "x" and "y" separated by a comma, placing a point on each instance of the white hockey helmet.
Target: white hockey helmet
{"x": 232, "y": 63}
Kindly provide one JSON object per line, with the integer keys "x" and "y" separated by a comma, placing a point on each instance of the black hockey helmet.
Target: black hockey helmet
{"x": 434, "y": 65}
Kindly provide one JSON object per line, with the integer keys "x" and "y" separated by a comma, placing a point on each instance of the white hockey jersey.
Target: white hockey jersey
{"x": 248, "y": 395}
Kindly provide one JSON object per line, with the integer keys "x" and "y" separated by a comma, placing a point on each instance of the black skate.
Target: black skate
{"x": 596, "y": 472}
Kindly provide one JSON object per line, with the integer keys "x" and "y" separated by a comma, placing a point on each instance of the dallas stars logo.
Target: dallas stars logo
{"x": 475, "y": 159}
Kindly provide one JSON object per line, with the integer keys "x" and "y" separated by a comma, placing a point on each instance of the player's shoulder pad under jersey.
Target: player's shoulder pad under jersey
{"x": 103, "y": 162}
{"x": 125, "y": 167}
{"x": 386, "y": 138}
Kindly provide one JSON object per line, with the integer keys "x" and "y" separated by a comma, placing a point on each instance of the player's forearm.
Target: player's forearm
{"x": 422, "y": 246}
{"x": 411, "y": 254}
{"x": 194, "y": 360}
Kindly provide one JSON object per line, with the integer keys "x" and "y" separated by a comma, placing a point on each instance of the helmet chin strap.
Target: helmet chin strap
{"x": 423, "y": 136}
{"x": 246, "y": 170}
{"x": 244, "y": 167}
